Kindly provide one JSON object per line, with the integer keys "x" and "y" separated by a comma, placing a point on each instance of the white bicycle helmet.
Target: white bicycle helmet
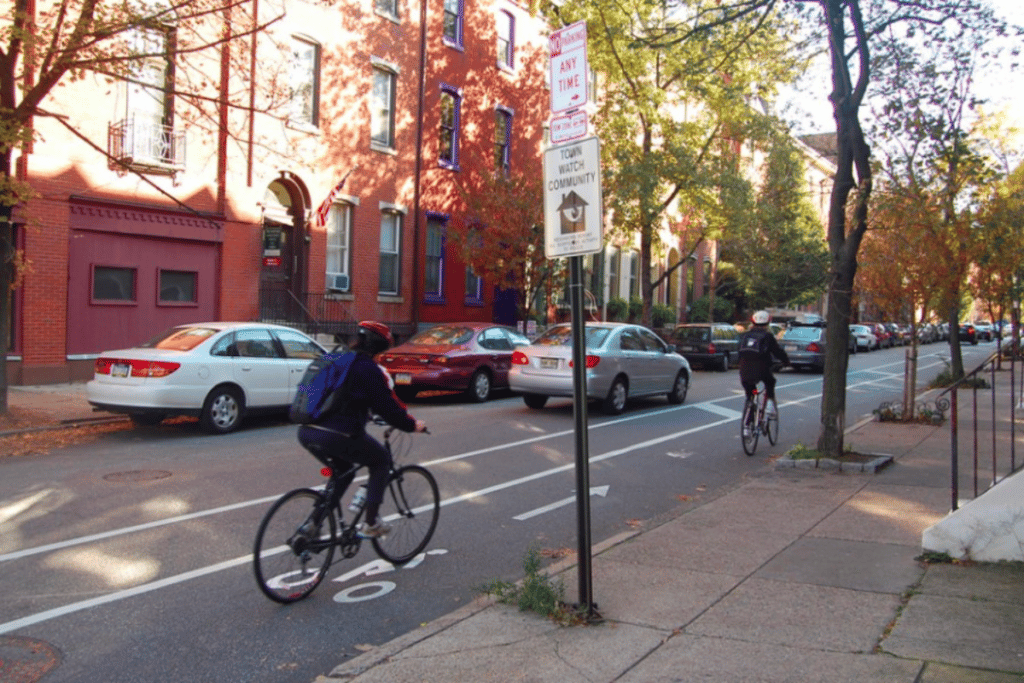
{"x": 761, "y": 318}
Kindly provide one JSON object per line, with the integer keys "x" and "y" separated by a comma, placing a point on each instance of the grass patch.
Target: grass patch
{"x": 537, "y": 592}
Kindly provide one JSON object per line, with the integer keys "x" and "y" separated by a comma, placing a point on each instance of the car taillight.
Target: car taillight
{"x": 102, "y": 366}
{"x": 591, "y": 362}
{"x": 154, "y": 368}
{"x": 711, "y": 348}
{"x": 519, "y": 358}
{"x": 813, "y": 347}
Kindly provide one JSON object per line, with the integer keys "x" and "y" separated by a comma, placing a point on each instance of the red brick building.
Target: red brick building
{"x": 218, "y": 215}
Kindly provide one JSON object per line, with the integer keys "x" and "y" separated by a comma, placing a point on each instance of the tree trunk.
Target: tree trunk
{"x": 7, "y": 247}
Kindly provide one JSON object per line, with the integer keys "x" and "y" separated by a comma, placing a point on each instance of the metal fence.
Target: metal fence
{"x": 990, "y": 434}
{"x": 321, "y": 313}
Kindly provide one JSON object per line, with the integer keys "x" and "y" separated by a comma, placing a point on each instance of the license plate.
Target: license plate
{"x": 120, "y": 370}
{"x": 693, "y": 349}
{"x": 549, "y": 363}
{"x": 403, "y": 378}
{"x": 789, "y": 347}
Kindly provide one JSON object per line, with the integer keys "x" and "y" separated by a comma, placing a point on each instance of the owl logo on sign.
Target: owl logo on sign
{"x": 572, "y": 213}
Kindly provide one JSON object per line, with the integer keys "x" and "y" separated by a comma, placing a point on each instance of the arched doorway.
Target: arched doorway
{"x": 285, "y": 253}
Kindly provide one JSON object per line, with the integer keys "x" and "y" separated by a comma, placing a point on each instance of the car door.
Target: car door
{"x": 634, "y": 360}
{"x": 661, "y": 368}
{"x": 299, "y": 350}
{"x": 261, "y": 372}
{"x": 499, "y": 348}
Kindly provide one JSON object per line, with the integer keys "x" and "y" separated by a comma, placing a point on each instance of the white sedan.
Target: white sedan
{"x": 218, "y": 372}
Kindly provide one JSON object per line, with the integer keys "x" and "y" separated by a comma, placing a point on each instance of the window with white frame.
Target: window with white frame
{"x": 506, "y": 24}
{"x": 339, "y": 235}
{"x": 453, "y": 22}
{"x": 433, "y": 285}
{"x": 304, "y": 82}
{"x": 613, "y": 274}
{"x": 502, "y": 138}
{"x": 448, "y": 133}
{"x": 387, "y": 8}
{"x": 474, "y": 286}
{"x": 382, "y": 107}
{"x": 388, "y": 281}
{"x": 634, "y": 274}
{"x": 149, "y": 101}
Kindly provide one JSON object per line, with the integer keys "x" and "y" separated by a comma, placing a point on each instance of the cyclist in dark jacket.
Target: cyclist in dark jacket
{"x": 343, "y": 434}
{"x": 757, "y": 347}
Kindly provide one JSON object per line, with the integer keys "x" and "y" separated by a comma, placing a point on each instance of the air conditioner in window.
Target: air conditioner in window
{"x": 337, "y": 282}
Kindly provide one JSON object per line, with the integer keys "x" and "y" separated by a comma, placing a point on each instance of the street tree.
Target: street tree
{"x": 777, "y": 245}
{"x": 675, "y": 82}
{"x": 50, "y": 45}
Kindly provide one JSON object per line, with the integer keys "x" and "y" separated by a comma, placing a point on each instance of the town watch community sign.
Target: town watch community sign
{"x": 572, "y": 199}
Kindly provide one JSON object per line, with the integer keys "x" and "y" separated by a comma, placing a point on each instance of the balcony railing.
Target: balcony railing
{"x": 320, "y": 313}
{"x": 145, "y": 145}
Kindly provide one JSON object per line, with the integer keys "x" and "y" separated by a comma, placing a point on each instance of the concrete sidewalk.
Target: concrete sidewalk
{"x": 795, "y": 575}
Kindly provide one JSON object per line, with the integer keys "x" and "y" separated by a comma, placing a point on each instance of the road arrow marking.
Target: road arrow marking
{"x": 594, "y": 490}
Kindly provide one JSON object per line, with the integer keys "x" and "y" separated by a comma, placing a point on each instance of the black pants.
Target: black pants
{"x": 750, "y": 379}
{"x": 335, "y": 449}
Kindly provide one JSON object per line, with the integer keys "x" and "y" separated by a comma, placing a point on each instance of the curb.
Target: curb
{"x": 878, "y": 461}
{"x": 66, "y": 424}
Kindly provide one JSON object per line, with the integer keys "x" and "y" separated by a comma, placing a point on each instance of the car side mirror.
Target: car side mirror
{"x": 671, "y": 348}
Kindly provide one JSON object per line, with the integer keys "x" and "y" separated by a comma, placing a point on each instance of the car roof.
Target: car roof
{"x": 229, "y": 325}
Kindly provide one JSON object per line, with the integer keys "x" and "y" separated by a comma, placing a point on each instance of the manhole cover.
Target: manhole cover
{"x": 25, "y": 660}
{"x": 137, "y": 475}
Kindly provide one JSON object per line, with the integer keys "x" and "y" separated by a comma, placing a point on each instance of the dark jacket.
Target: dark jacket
{"x": 757, "y": 347}
{"x": 367, "y": 390}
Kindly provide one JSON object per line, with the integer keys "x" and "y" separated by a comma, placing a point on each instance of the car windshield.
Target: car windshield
{"x": 802, "y": 334}
{"x": 442, "y": 334}
{"x": 693, "y": 334}
{"x": 562, "y": 336}
{"x": 180, "y": 338}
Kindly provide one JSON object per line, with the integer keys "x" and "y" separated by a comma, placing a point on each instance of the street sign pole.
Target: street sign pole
{"x": 579, "y": 380}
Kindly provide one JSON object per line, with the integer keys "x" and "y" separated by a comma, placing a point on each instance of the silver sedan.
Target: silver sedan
{"x": 622, "y": 360}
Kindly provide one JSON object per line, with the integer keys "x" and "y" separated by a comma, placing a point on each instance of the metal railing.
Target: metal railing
{"x": 139, "y": 143}
{"x": 993, "y": 410}
{"x": 321, "y": 313}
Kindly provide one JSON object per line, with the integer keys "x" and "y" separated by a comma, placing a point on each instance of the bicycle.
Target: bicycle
{"x": 757, "y": 420}
{"x": 296, "y": 540}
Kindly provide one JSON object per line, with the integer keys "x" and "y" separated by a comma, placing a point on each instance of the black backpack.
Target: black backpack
{"x": 755, "y": 344}
{"x": 318, "y": 395}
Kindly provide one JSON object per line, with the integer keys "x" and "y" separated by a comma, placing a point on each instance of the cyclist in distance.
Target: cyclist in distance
{"x": 343, "y": 435}
{"x": 757, "y": 347}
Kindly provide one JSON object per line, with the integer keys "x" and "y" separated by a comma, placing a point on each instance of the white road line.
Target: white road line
{"x": 721, "y": 411}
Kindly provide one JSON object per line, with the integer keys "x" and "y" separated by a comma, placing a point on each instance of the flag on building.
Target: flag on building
{"x": 325, "y": 208}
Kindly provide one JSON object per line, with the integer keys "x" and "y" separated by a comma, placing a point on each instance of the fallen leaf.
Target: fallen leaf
{"x": 683, "y": 497}
{"x": 364, "y": 648}
{"x": 635, "y": 523}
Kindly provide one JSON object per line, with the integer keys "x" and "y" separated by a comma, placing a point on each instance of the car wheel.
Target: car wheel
{"x": 405, "y": 394}
{"x": 147, "y": 419}
{"x": 479, "y": 389}
{"x": 615, "y": 402}
{"x": 679, "y": 388}
{"x": 222, "y": 411}
{"x": 535, "y": 401}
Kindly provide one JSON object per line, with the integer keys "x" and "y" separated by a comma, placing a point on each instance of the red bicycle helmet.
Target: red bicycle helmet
{"x": 375, "y": 337}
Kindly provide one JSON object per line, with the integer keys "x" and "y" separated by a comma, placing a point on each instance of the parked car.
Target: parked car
{"x": 623, "y": 361}
{"x": 805, "y": 346}
{"x": 470, "y": 357}
{"x": 712, "y": 345}
{"x": 968, "y": 333}
{"x": 927, "y": 333}
{"x": 885, "y": 341}
{"x": 219, "y": 372}
{"x": 863, "y": 338}
{"x": 984, "y": 330}
{"x": 896, "y": 334}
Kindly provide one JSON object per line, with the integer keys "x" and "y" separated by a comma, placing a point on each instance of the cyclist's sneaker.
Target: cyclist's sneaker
{"x": 378, "y": 530}
{"x": 770, "y": 411}
{"x": 746, "y": 432}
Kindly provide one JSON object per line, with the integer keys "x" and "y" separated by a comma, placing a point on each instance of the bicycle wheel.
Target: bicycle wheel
{"x": 771, "y": 419}
{"x": 749, "y": 426}
{"x": 411, "y": 505}
{"x": 290, "y": 557}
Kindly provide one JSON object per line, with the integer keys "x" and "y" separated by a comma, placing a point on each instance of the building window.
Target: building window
{"x": 613, "y": 274}
{"x": 390, "y": 252}
{"x": 506, "y": 24}
{"x": 387, "y": 8}
{"x": 113, "y": 285}
{"x": 634, "y": 274}
{"x": 177, "y": 286}
{"x": 382, "y": 112}
{"x": 474, "y": 287}
{"x": 453, "y": 22}
{"x": 433, "y": 286}
{"x": 502, "y": 137}
{"x": 448, "y": 134}
{"x": 339, "y": 233}
{"x": 304, "y": 82}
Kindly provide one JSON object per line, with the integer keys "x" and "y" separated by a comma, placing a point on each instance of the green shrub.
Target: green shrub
{"x": 663, "y": 316}
{"x": 617, "y": 308}
{"x": 535, "y": 593}
{"x": 636, "y": 309}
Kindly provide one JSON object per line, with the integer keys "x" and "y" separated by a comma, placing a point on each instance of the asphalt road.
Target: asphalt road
{"x": 131, "y": 556}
